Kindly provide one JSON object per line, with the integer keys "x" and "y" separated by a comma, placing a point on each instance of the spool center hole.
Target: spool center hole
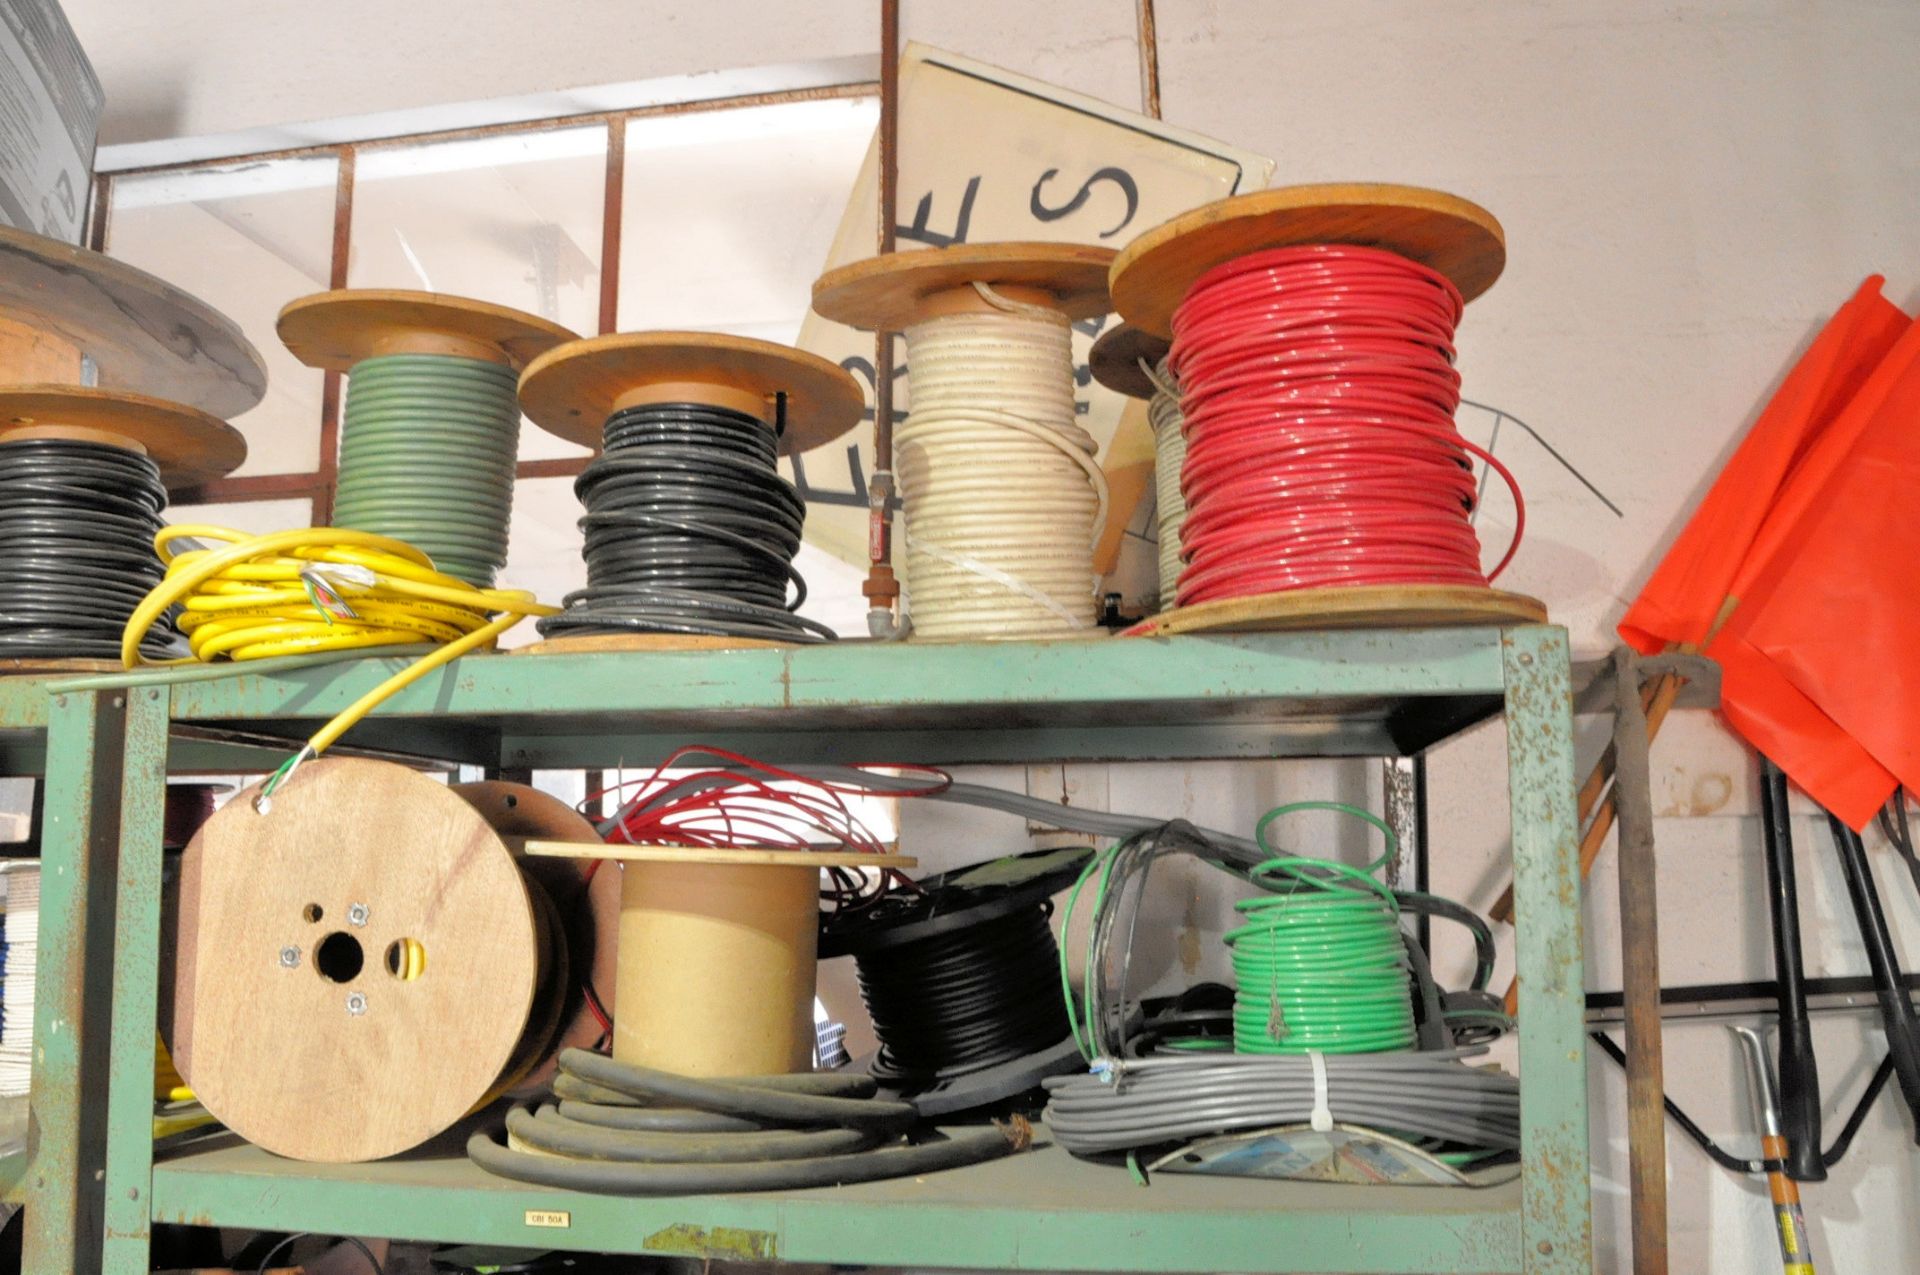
{"x": 338, "y": 957}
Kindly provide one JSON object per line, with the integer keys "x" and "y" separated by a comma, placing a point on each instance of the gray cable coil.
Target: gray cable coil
{"x": 1175, "y": 1099}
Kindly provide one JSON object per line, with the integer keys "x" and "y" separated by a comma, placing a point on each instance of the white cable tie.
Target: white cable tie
{"x": 1321, "y": 1118}
{"x": 990, "y": 572}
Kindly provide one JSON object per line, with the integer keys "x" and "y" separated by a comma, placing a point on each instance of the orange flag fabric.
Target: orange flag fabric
{"x": 1800, "y": 536}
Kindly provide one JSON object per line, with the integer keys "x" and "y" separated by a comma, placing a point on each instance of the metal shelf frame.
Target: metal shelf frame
{"x": 93, "y": 1187}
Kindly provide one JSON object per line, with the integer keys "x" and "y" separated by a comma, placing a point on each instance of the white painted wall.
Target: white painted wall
{"x": 1687, "y": 189}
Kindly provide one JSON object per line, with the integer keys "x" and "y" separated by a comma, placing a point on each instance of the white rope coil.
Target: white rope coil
{"x": 1001, "y": 495}
{"x": 1169, "y": 454}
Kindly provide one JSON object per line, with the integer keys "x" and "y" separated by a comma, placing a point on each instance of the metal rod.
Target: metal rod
{"x": 882, "y": 590}
{"x": 1799, "y": 1097}
{"x": 612, "y": 204}
{"x": 1640, "y": 972}
{"x": 328, "y": 472}
{"x": 1149, "y": 59}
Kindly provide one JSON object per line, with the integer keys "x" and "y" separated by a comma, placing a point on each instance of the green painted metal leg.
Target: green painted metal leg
{"x": 136, "y": 984}
{"x": 1556, "y": 1215}
{"x": 66, "y": 1133}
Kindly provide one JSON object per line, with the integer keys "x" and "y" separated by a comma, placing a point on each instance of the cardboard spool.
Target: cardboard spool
{"x": 358, "y": 968}
{"x": 1454, "y": 236}
{"x": 335, "y": 330}
{"x": 60, "y": 305}
{"x": 190, "y": 446}
{"x": 896, "y": 291}
{"x": 717, "y": 954}
{"x": 570, "y": 391}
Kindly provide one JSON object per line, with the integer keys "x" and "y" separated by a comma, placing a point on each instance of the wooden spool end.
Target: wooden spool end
{"x": 190, "y": 446}
{"x": 1454, "y": 236}
{"x": 896, "y": 291}
{"x": 145, "y": 336}
{"x": 285, "y": 1018}
{"x": 335, "y": 330}
{"x": 588, "y": 906}
{"x": 1382, "y": 606}
{"x": 572, "y": 390}
{"x": 717, "y": 954}
{"x": 1117, "y": 357}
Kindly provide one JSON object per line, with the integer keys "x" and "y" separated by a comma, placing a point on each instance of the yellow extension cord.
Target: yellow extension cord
{"x": 315, "y": 591}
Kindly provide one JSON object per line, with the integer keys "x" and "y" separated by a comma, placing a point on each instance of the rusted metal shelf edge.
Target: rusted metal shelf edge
{"x": 881, "y": 676}
{"x": 1038, "y": 1211}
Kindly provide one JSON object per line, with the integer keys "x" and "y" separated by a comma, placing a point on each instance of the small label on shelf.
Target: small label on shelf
{"x": 549, "y": 1217}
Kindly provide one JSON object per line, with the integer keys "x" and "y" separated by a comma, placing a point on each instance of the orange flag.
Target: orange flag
{"x": 1775, "y": 538}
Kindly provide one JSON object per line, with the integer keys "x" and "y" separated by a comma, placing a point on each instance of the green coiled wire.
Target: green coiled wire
{"x": 428, "y": 444}
{"x": 1320, "y": 965}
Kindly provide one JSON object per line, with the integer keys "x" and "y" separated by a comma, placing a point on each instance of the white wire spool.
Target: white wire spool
{"x": 1002, "y": 496}
{"x": 1169, "y": 454}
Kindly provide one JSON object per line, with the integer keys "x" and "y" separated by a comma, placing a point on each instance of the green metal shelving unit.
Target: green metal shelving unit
{"x": 93, "y": 1188}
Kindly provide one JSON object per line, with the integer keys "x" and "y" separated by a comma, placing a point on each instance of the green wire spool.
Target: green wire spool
{"x": 430, "y": 432}
{"x": 1319, "y": 965}
{"x": 427, "y": 450}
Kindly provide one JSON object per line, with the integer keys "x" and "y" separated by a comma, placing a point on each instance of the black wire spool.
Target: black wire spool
{"x": 962, "y": 981}
{"x": 689, "y": 529}
{"x": 77, "y": 521}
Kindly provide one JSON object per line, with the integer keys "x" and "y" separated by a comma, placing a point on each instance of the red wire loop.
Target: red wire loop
{"x": 1318, "y": 389}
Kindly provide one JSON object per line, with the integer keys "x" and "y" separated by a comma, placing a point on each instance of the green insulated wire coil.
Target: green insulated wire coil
{"x": 427, "y": 450}
{"x": 1319, "y": 964}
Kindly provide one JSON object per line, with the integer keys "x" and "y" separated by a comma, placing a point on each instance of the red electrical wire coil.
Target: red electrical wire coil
{"x": 1318, "y": 389}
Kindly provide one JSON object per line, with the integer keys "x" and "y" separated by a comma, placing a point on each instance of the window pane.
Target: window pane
{"x": 248, "y": 239}
{"x": 258, "y": 517}
{"x": 729, "y": 215}
{"x": 513, "y": 219}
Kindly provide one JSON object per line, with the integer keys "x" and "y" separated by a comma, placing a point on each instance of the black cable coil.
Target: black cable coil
{"x": 77, "y": 521}
{"x": 689, "y": 529}
{"x": 966, "y": 999}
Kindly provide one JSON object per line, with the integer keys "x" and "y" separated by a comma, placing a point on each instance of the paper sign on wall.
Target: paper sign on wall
{"x": 987, "y": 155}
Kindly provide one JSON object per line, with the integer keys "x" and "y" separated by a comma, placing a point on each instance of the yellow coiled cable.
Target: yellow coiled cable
{"x": 315, "y": 591}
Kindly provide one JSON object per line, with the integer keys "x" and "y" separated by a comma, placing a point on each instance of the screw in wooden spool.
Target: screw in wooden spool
{"x": 572, "y": 390}
{"x": 717, "y": 954}
{"x": 894, "y": 292}
{"x": 1118, "y": 356}
{"x": 291, "y": 1017}
{"x": 60, "y": 305}
{"x": 1457, "y": 238}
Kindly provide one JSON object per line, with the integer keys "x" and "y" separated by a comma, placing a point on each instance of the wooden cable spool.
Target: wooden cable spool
{"x": 717, "y": 954}
{"x": 1457, "y": 238}
{"x": 357, "y": 970}
{"x": 571, "y": 391}
{"x": 62, "y": 306}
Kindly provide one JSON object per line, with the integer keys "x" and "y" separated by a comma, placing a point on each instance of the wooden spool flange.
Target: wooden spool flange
{"x": 572, "y": 390}
{"x": 717, "y": 954}
{"x": 1454, "y": 236}
{"x": 335, "y": 330}
{"x": 290, "y": 1041}
{"x": 59, "y": 303}
{"x": 1117, "y": 357}
{"x": 896, "y": 291}
{"x": 190, "y": 446}
{"x": 588, "y": 905}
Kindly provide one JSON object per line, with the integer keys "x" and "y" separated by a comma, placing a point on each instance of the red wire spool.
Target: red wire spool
{"x": 1318, "y": 388}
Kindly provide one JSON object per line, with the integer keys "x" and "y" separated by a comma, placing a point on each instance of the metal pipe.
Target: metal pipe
{"x": 1790, "y": 1224}
{"x": 881, "y": 588}
{"x": 1799, "y": 1070}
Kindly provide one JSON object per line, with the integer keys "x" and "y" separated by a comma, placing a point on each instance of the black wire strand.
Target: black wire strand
{"x": 77, "y": 521}
{"x": 689, "y": 529}
{"x": 968, "y": 999}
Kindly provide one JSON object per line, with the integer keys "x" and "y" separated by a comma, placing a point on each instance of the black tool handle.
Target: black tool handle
{"x": 1896, "y": 1011}
{"x": 1799, "y": 1072}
